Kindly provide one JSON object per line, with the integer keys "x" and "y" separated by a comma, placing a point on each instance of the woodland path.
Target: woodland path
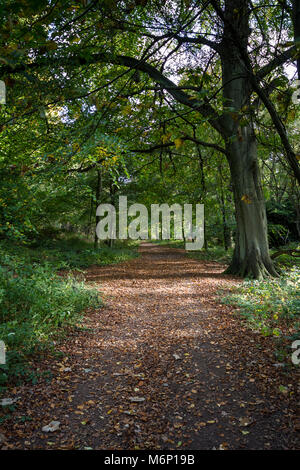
{"x": 162, "y": 365}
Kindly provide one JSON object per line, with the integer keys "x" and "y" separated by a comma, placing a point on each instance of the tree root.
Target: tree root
{"x": 252, "y": 268}
{"x": 293, "y": 253}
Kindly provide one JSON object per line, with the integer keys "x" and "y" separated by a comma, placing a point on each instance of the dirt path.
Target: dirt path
{"x": 161, "y": 366}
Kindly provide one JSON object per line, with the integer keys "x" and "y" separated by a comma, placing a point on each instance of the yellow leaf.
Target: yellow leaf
{"x": 28, "y": 37}
{"x": 126, "y": 110}
{"x": 12, "y": 48}
{"x": 246, "y": 199}
{"x": 178, "y": 143}
{"x": 75, "y": 40}
{"x": 165, "y": 138}
{"x": 51, "y": 45}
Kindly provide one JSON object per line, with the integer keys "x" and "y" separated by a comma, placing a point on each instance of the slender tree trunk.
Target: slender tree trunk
{"x": 205, "y": 236}
{"x": 226, "y": 229}
{"x": 97, "y": 195}
{"x": 110, "y": 241}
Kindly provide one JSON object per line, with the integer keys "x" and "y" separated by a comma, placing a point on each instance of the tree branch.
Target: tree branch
{"x": 294, "y": 253}
{"x": 197, "y": 40}
{"x": 178, "y": 94}
{"x": 172, "y": 144}
{"x": 276, "y": 62}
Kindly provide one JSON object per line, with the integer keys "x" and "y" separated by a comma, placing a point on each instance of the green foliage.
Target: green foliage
{"x": 282, "y": 218}
{"x": 69, "y": 117}
{"x": 285, "y": 261}
{"x": 170, "y": 243}
{"x": 66, "y": 253}
{"x": 15, "y": 207}
{"x": 214, "y": 253}
{"x": 37, "y": 304}
{"x": 272, "y": 306}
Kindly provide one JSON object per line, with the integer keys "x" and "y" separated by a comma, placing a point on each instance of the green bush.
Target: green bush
{"x": 64, "y": 253}
{"x": 35, "y": 305}
{"x": 282, "y": 227}
{"x": 271, "y": 306}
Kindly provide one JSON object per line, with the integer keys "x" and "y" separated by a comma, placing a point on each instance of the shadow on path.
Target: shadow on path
{"x": 164, "y": 366}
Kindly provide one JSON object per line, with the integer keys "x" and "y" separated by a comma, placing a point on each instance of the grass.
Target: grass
{"x": 36, "y": 304}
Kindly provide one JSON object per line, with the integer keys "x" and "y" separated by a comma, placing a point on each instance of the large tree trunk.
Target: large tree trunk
{"x": 251, "y": 255}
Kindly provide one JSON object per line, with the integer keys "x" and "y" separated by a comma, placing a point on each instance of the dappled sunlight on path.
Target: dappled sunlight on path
{"x": 162, "y": 365}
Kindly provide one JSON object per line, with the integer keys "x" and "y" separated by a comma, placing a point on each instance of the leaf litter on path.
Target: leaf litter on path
{"x": 162, "y": 365}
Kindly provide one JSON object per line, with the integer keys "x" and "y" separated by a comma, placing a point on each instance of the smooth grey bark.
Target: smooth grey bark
{"x": 251, "y": 254}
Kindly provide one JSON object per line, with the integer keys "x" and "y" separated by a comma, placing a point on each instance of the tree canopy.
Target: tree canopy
{"x": 183, "y": 101}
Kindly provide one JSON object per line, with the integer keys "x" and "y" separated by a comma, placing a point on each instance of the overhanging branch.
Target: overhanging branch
{"x": 172, "y": 144}
{"x": 276, "y": 62}
{"x": 178, "y": 94}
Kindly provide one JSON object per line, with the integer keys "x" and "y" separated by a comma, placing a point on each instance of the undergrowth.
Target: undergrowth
{"x": 37, "y": 304}
{"x": 272, "y": 307}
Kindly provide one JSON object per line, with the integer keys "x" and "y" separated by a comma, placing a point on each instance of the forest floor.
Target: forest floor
{"x": 162, "y": 365}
